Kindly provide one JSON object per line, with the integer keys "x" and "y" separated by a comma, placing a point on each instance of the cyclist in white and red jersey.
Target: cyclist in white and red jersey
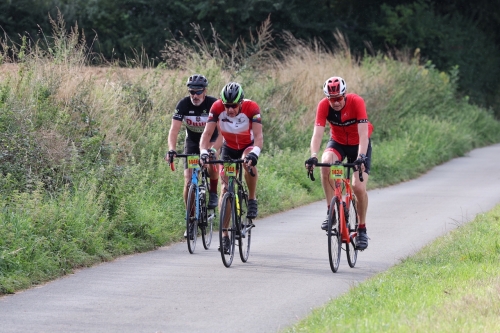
{"x": 350, "y": 133}
{"x": 240, "y": 125}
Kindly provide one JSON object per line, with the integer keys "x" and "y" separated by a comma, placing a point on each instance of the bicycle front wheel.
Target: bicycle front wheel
{"x": 227, "y": 215}
{"x": 191, "y": 220}
{"x": 352, "y": 225}
{"x": 245, "y": 225}
{"x": 334, "y": 235}
{"x": 208, "y": 229}
{"x": 206, "y": 221}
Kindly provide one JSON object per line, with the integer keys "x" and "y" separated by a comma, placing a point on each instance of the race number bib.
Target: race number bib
{"x": 230, "y": 169}
{"x": 193, "y": 161}
{"x": 336, "y": 172}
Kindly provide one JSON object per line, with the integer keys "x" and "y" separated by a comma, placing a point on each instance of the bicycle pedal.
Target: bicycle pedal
{"x": 225, "y": 251}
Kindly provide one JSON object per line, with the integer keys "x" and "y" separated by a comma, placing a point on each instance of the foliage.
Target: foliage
{"x": 448, "y": 41}
{"x": 81, "y": 148}
{"x": 139, "y": 32}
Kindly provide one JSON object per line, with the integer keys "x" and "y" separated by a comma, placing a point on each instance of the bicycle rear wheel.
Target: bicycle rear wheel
{"x": 191, "y": 220}
{"x": 227, "y": 214}
{"x": 244, "y": 235}
{"x": 334, "y": 235}
{"x": 352, "y": 225}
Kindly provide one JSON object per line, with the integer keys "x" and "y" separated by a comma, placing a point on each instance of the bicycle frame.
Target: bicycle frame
{"x": 235, "y": 177}
{"x": 340, "y": 185}
{"x": 193, "y": 162}
{"x": 342, "y": 227}
{"x": 197, "y": 212}
{"x": 342, "y": 181}
{"x": 234, "y": 223}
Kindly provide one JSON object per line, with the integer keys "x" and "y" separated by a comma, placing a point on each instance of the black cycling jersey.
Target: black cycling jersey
{"x": 195, "y": 117}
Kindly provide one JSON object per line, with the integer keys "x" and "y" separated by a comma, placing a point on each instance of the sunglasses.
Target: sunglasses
{"x": 231, "y": 105}
{"x": 336, "y": 99}
{"x": 196, "y": 92}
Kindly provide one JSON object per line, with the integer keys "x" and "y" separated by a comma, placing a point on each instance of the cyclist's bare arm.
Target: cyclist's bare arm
{"x": 316, "y": 139}
{"x": 363, "y": 138}
{"x": 258, "y": 137}
{"x": 218, "y": 143}
{"x": 173, "y": 133}
{"x": 207, "y": 134}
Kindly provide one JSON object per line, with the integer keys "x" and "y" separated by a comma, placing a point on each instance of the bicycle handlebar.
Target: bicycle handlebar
{"x": 171, "y": 159}
{"x": 238, "y": 161}
{"x": 186, "y": 155}
{"x": 310, "y": 173}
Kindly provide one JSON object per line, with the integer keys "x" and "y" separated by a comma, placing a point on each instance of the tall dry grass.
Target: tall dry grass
{"x": 97, "y": 133}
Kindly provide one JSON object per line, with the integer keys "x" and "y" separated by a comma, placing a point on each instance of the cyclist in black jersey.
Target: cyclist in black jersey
{"x": 193, "y": 111}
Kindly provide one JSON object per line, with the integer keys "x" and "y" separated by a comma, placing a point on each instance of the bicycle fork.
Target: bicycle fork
{"x": 350, "y": 234}
{"x": 243, "y": 227}
{"x": 343, "y": 212}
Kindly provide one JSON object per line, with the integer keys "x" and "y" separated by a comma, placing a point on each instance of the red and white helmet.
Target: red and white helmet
{"x": 334, "y": 86}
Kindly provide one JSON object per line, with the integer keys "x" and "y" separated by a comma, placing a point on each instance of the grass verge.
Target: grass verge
{"x": 452, "y": 285}
{"x": 82, "y": 176}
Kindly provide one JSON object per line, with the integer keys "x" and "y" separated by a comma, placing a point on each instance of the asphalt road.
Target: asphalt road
{"x": 287, "y": 275}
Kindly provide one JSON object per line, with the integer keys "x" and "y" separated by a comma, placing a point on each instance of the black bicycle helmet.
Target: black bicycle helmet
{"x": 232, "y": 93}
{"x": 197, "y": 81}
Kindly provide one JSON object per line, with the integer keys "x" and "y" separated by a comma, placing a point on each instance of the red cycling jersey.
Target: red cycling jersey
{"x": 344, "y": 123}
{"x": 236, "y": 131}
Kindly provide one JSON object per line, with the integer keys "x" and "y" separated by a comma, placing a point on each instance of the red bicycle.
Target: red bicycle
{"x": 343, "y": 215}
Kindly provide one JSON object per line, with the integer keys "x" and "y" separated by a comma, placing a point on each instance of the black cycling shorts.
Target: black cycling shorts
{"x": 191, "y": 147}
{"x": 351, "y": 152}
{"x": 230, "y": 153}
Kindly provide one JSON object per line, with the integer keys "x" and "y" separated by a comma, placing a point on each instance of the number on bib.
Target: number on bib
{"x": 193, "y": 162}
{"x": 337, "y": 172}
{"x": 230, "y": 169}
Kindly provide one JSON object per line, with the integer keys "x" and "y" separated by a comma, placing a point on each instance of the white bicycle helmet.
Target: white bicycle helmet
{"x": 334, "y": 86}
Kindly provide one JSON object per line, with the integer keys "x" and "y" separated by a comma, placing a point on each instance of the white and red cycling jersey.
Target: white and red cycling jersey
{"x": 236, "y": 131}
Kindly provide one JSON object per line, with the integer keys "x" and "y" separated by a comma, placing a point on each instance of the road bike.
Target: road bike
{"x": 343, "y": 215}
{"x": 198, "y": 215}
{"x": 234, "y": 208}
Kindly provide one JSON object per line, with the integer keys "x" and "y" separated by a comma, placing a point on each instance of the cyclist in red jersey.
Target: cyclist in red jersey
{"x": 239, "y": 123}
{"x": 350, "y": 133}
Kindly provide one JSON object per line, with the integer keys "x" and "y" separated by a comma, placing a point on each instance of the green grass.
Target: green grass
{"x": 452, "y": 285}
{"x": 82, "y": 176}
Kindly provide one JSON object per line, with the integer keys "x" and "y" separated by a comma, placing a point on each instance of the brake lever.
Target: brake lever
{"x": 310, "y": 174}
{"x": 250, "y": 171}
{"x": 360, "y": 170}
{"x": 171, "y": 162}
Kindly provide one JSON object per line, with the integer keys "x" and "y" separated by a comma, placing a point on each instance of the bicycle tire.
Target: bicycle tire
{"x": 334, "y": 235}
{"x": 191, "y": 220}
{"x": 209, "y": 214}
{"x": 245, "y": 225}
{"x": 227, "y": 208}
{"x": 208, "y": 229}
{"x": 352, "y": 224}
{"x": 206, "y": 221}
